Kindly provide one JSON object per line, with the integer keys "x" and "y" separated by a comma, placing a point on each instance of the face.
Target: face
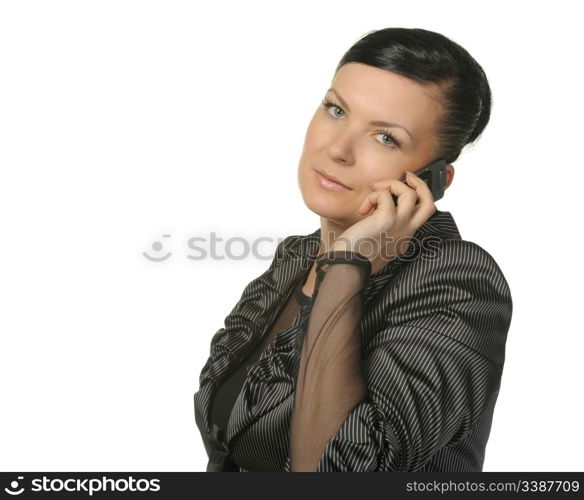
{"x": 344, "y": 142}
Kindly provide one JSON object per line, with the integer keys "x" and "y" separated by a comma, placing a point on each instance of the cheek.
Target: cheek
{"x": 317, "y": 134}
{"x": 314, "y": 145}
{"x": 381, "y": 170}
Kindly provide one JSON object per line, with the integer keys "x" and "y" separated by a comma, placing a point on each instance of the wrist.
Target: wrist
{"x": 341, "y": 245}
{"x": 340, "y": 255}
{"x": 347, "y": 246}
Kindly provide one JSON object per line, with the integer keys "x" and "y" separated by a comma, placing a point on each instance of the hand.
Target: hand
{"x": 386, "y": 233}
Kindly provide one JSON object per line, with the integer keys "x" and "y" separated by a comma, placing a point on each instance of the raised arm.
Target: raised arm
{"x": 430, "y": 369}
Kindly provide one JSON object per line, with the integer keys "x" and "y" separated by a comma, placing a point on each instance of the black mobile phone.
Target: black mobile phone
{"x": 434, "y": 175}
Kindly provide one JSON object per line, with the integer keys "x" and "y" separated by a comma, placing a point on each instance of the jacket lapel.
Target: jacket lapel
{"x": 259, "y": 305}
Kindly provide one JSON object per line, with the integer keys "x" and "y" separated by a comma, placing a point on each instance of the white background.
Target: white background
{"x": 121, "y": 121}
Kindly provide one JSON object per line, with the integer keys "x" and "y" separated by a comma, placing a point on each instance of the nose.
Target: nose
{"x": 341, "y": 148}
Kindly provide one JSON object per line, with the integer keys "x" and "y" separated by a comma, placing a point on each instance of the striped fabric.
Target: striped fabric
{"x": 433, "y": 328}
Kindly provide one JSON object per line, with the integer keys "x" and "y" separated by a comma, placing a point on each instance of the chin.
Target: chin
{"x": 333, "y": 205}
{"x": 326, "y": 205}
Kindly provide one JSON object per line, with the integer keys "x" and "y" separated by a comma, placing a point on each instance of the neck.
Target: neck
{"x": 329, "y": 232}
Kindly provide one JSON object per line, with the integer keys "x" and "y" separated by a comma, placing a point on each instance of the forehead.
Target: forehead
{"x": 377, "y": 94}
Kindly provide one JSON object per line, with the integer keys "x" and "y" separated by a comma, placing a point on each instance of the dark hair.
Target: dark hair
{"x": 431, "y": 58}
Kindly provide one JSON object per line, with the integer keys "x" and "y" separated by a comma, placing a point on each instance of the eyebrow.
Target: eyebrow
{"x": 378, "y": 123}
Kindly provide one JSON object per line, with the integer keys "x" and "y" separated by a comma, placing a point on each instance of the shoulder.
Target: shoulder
{"x": 439, "y": 253}
{"x": 461, "y": 262}
{"x": 456, "y": 288}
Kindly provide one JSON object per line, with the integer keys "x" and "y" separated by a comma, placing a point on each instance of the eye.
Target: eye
{"x": 328, "y": 105}
{"x": 392, "y": 138}
{"x": 331, "y": 105}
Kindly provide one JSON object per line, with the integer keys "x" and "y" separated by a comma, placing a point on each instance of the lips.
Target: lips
{"x": 331, "y": 181}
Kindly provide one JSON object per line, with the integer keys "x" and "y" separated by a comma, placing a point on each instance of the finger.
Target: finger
{"x": 369, "y": 203}
{"x": 426, "y": 207}
{"x": 385, "y": 202}
{"x": 406, "y": 196}
{"x": 379, "y": 200}
{"x": 421, "y": 188}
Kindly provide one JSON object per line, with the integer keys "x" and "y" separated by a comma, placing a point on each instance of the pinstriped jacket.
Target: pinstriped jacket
{"x": 433, "y": 330}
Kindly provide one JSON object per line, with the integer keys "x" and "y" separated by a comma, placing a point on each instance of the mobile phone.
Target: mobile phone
{"x": 434, "y": 175}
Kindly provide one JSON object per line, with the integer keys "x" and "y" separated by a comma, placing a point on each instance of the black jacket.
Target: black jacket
{"x": 433, "y": 330}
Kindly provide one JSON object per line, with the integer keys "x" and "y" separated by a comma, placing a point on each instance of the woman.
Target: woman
{"x": 377, "y": 342}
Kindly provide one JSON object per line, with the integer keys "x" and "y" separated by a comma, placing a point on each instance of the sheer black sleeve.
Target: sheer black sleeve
{"x": 329, "y": 380}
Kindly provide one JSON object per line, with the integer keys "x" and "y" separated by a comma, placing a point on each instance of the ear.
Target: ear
{"x": 449, "y": 175}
